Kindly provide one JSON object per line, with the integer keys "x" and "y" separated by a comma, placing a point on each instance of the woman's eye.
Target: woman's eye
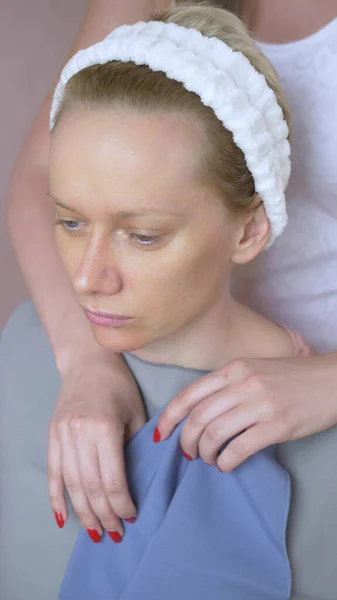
{"x": 69, "y": 224}
{"x": 145, "y": 240}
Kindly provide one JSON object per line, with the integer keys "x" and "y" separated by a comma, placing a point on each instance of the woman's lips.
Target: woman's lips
{"x": 105, "y": 319}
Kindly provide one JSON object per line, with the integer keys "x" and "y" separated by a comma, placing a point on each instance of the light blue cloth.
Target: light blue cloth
{"x": 199, "y": 533}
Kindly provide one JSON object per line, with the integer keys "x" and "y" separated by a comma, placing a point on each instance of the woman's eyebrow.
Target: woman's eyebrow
{"x": 59, "y": 203}
{"x": 122, "y": 214}
{"x": 149, "y": 211}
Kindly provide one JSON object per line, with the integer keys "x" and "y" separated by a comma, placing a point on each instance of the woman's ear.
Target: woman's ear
{"x": 253, "y": 233}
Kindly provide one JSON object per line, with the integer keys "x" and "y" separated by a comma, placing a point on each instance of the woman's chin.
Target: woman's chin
{"x": 118, "y": 340}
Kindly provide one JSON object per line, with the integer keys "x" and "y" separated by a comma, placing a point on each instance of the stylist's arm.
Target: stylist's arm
{"x": 99, "y": 404}
{"x": 258, "y": 402}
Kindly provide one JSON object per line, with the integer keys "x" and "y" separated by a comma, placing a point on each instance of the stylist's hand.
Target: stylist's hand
{"x": 99, "y": 406}
{"x": 261, "y": 402}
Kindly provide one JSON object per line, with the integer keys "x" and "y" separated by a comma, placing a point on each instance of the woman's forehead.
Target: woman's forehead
{"x": 142, "y": 159}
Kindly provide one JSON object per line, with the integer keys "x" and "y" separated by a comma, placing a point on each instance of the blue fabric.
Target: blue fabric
{"x": 199, "y": 533}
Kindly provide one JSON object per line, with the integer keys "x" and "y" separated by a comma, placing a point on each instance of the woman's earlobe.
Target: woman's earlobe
{"x": 252, "y": 236}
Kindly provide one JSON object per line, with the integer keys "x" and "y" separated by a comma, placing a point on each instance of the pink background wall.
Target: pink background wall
{"x": 35, "y": 36}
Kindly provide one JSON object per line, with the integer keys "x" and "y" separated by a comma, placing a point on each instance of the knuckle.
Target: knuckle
{"x": 105, "y": 422}
{"x": 55, "y": 486}
{"x": 254, "y": 381}
{"x": 106, "y": 428}
{"x": 170, "y": 415}
{"x": 55, "y": 500}
{"x": 51, "y": 473}
{"x": 239, "y": 365}
{"x": 52, "y": 428}
{"x": 197, "y": 417}
{"x": 92, "y": 488}
{"x": 166, "y": 422}
{"x": 113, "y": 487}
{"x": 73, "y": 485}
{"x": 110, "y": 427}
{"x": 213, "y": 433}
{"x": 77, "y": 423}
{"x": 224, "y": 374}
{"x": 61, "y": 422}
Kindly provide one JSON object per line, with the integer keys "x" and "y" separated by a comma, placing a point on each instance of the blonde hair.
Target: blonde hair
{"x": 223, "y": 166}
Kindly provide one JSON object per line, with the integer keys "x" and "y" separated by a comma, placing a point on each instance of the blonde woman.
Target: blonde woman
{"x": 169, "y": 161}
{"x": 289, "y": 387}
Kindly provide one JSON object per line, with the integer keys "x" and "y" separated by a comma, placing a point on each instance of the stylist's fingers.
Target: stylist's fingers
{"x": 87, "y": 458}
{"x": 245, "y": 445}
{"x": 73, "y": 483}
{"x": 224, "y": 428}
{"x": 112, "y": 468}
{"x": 178, "y": 408}
{"x": 102, "y": 474}
{"x": 55, "y": 479}
{"x": 202, "y": 416}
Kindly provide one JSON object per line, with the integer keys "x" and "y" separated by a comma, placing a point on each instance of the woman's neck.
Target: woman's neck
{"x": 225, "y": 332}
{"x": 277, "y": 22}
{"x": 199, "y": 343}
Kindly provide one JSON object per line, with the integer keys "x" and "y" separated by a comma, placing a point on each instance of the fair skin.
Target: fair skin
{"x": 87, "y": 370}
{"x": 141, "y": 237}
{"x": 300, "y": 394}
{"x": 295, "y": 410}
{"x": 277, "y": 22}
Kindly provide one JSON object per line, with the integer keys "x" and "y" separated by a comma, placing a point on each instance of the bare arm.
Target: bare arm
{"x": 99, "y": 403}
{"x": 256, "y": 403}
{"x": 30, "y": 215}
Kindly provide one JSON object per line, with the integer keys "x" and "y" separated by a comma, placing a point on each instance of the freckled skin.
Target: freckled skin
{"x": 104, "y": 163}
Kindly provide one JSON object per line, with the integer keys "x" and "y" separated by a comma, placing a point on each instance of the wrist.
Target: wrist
{"x": 77, "y": 354}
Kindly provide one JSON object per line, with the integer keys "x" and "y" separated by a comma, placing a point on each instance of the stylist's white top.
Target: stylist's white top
{"x": 295, "y": 282}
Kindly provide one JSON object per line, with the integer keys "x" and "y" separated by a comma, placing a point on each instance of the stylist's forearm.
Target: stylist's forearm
{"x": 31, "y": 227}
{"x": 29, "y": 212}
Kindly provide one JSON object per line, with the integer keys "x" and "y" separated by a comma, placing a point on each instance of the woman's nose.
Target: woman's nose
{"x": 98, "y": 272}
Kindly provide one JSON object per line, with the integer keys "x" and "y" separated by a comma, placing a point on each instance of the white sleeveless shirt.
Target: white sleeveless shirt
{"x": 295, "y": 281}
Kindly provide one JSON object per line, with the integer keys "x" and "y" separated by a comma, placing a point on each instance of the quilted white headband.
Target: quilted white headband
{"x": 224, "y": 80}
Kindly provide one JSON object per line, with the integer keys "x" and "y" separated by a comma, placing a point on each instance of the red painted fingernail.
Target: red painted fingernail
{"x": 95, "y": 536}
{"x": 187, "y": 456}
{"x": 115, "y": 536}
{"x": 130, "y": 520}
{"x": 59, "y": 518}
{"x": 156, "y": 435}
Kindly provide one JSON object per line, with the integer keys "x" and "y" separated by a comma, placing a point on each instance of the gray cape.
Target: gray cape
{"x": 34, "y": 552}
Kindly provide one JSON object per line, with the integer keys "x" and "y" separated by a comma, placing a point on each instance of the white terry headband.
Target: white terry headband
{"x": 224, "y": 80}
